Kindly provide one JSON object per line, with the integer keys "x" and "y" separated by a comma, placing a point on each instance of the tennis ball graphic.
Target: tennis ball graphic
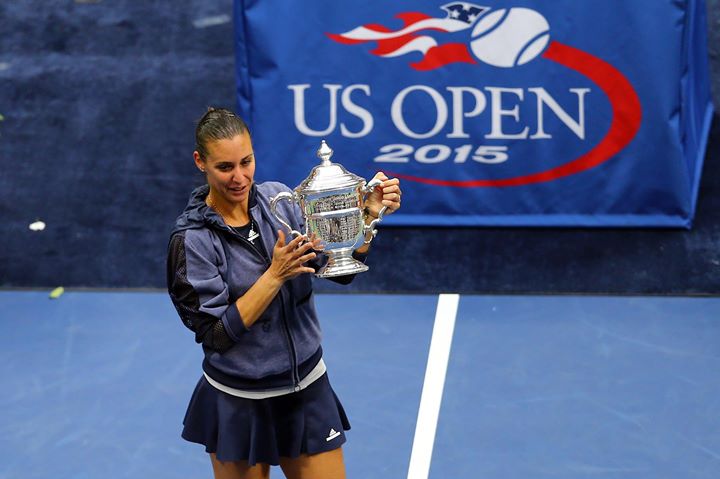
{"x": 506, "y": 38}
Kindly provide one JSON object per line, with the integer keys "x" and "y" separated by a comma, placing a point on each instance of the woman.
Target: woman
{"x": 245, "y": 290}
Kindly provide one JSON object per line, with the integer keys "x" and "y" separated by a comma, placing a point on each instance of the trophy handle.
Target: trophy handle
{"x": 371, "y": 227}
{"x": 273, "y": 208}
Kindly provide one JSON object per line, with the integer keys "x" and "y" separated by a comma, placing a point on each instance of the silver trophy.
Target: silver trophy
{"x": 332, "y": 200}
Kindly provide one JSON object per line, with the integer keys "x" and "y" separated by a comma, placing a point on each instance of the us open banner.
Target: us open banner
{"x": 521, "y": 113}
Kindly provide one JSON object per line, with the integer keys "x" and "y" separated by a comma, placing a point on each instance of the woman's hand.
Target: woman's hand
{"x": 288, "y": 259}
{"x": 385, "y": 194}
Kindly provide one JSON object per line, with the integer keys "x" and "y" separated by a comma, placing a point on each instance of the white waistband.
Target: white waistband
{"x": 312, "y": 376}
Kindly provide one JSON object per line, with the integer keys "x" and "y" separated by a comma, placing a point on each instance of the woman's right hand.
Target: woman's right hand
{"x": 288, "y": 260}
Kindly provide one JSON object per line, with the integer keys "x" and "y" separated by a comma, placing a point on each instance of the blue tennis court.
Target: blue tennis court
{"x": 96, "y": 385}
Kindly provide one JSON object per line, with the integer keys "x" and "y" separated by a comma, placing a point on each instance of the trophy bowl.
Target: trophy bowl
{"x": 331, "y": 200}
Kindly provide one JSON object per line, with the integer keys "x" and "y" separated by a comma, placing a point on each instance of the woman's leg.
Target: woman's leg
{"x": 239, "y": 470}
{"x": 325, "y": 465}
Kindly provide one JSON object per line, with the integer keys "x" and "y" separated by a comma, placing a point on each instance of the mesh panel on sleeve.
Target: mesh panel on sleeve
{"x": 180, "y": 288}
{"x": 220, "y": 339}
{"x": 209, "y": 330}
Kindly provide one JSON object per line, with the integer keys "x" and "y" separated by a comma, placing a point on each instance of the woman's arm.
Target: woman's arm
{"x": 202, "y": 297}
{"x": 387, "y": 194}
{"x": 288, "y": 261}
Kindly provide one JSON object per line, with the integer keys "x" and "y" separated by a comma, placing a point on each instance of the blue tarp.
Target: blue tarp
{"x": 520, "y": 113}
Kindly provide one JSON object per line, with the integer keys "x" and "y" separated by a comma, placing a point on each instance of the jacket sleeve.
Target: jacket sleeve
{"x": 200, "y": 294}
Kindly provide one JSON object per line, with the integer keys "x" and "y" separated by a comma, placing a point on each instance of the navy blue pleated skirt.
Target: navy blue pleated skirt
{"x": 263, "y": 430}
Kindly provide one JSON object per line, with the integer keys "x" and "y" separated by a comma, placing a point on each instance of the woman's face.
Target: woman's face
{"x": 230, "y": 167}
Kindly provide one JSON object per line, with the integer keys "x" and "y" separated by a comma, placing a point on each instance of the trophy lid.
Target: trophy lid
{"x": 327, "y": 175}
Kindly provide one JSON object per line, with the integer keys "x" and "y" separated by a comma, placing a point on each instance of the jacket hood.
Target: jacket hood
{"x": 198, "y": 214}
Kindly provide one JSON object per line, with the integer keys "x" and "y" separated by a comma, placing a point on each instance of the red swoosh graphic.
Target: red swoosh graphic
{"x": 442, "y": 55}
{"x": 626, "y": 119}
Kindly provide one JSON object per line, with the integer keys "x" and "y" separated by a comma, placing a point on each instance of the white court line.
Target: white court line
{"x": 433, "y": 386}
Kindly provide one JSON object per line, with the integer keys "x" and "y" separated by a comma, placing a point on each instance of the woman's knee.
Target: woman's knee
{"x": 239, "y": 470}
{"x": 324, "y": 465}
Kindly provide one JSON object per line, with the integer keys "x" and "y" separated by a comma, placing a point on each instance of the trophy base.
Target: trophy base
{"x": 340, "y": 264}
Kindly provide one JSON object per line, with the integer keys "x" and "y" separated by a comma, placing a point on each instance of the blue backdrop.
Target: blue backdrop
{"x": 512, "y": 113}
{"x": 98, "y": 103}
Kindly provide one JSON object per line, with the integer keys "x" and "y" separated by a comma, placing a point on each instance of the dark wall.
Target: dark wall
{"x": 99, "y": 99}
{"x": 99, "y": 102}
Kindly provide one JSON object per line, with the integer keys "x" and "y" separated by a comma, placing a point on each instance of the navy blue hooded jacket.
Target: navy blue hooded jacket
{"x": 209, "y": 266}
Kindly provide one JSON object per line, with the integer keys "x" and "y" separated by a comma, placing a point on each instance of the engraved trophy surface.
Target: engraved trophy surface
{"x": 331, "y": 200}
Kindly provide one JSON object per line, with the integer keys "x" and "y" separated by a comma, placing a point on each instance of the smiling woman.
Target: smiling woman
{"x": 224, "y": 153}
{"x": 264, "y": 397}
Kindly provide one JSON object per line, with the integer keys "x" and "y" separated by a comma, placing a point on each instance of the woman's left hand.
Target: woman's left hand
{"x": 386, "y": 193}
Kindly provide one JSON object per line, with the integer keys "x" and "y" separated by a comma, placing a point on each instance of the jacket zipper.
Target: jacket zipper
{"x": 293, "y": 353}
{"x": 286, "y": 326}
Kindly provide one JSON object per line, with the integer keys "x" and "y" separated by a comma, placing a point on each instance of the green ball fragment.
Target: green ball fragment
{"x": 57, "y": 292}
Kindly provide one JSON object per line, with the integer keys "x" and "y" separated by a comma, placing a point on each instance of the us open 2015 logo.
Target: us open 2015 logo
{"x": 501, "y": 38}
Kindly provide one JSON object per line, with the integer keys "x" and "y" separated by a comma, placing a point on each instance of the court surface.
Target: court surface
{"x": 95, "y": 385}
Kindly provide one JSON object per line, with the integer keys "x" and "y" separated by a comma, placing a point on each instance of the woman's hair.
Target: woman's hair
{"x": 217, "y": 124}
